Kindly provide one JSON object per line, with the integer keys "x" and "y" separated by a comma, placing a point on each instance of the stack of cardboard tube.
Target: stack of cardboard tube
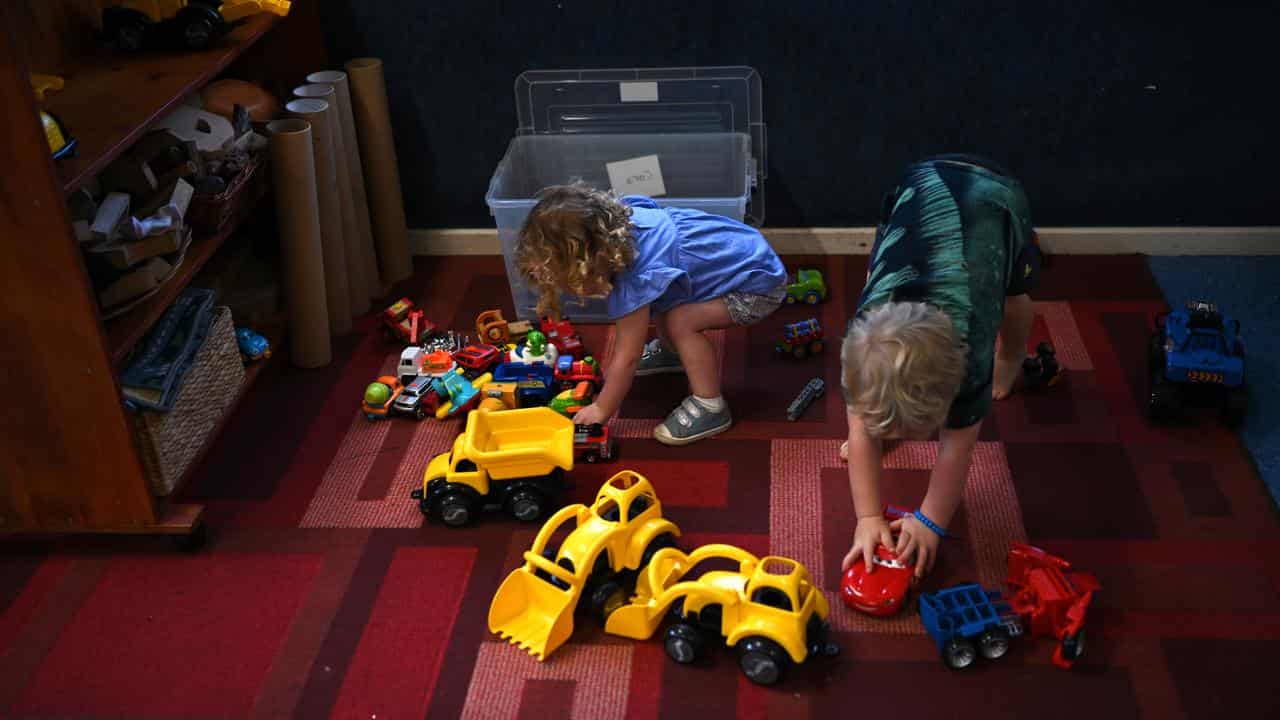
{"x": 341, "y": 218}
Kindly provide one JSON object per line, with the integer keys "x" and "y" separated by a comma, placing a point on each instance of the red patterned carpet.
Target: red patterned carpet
{"x": 323, "y": 595}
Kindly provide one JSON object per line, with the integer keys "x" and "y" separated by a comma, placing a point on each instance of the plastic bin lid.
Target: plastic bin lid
{"x": 644, "y": 100}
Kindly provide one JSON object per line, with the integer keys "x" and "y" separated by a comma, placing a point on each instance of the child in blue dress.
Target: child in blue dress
{"x": 686, "y": 270}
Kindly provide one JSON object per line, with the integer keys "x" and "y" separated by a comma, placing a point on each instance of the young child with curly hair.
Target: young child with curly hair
{"x": 686, "y": 270}
{"x": 954, "y": 257}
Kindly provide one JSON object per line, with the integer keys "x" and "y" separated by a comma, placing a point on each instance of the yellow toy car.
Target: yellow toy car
{"x": 514, "y": 460}
{"x": 132, "y": 24}
{"x": 592, "y": 569}
{"x": 768, "y": 610}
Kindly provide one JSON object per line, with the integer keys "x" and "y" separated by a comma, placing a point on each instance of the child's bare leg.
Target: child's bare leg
{"x": 684, "y": 326}
{"x": 1012, "y": 346}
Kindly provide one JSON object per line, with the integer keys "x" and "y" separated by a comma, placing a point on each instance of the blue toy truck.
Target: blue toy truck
{"x": 1196, "y": 354}
{"x": 534, "y": 382}
{"x": 966, "y": 620}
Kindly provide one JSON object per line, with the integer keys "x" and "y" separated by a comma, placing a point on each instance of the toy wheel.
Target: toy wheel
{"x": 791, "y": 299}
{"x": 494, "y": 335}
{"x": 1166, "y": 398}
{"x": 993, "y": 644}
{"x": 665, "y": 540}
{"x": 526, "y": 505}
{"x": 1235, "y": 406}
{"x": 799, "y": 352}
{"x": 762, "y": 660}
{"x": 425, "y": 507}
{"x": 1073, "y": 646}
{"x": 419, "y": 413}
{"x": 130, "y": 34}
{"x": 196, "y": 32}
{"x": 550, "y": 554}
{"x": 685, "y": 643}
{"x": 959, "y": 653}
{"x": 816, "y": 346}
{"x": 812, "y": 297}
{"x": 455, "y": 509}
{"x": 607, "y": 597}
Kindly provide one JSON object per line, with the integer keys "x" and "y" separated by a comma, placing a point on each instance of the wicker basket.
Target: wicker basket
{"x": 210, "y": 214}
{"x": 171, "y": 441}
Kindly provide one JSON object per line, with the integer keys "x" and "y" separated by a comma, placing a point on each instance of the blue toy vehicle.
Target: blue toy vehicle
{"x": 966, "y": 620}
{"x": 1196, "y": 353}
{"x": 252, "y": 345}
{"x": 459, "y": 390}
{"x": 535, "y": 382}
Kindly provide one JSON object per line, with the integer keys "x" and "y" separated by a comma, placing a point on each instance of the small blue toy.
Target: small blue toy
{"x": 965, "y": 621}
{"x": 535, "y": 382}
{"x": 459, "y": 390}
{"x": 1196, "y": 353}
{"x": 252, "y": 345}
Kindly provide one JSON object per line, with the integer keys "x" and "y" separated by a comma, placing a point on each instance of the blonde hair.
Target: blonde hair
{"x": 574, "y": 240}
{"x": 902, "y": 365}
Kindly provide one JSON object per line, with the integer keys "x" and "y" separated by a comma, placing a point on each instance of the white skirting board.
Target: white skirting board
{"x": 857, "y": 241}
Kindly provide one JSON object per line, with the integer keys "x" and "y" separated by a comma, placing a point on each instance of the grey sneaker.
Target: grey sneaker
{"x": 691, "y": 421}
{"x": 658, "y": 358}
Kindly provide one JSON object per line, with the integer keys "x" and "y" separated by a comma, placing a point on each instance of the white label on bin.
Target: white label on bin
{"x": 638, "y": 91}
{"x": 637, "y": 176}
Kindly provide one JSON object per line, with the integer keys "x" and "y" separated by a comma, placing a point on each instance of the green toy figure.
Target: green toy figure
{"x": 376, "y": 395}
{"x": 535, "y": 349}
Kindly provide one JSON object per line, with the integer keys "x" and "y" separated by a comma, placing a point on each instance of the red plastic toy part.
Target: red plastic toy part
{"x": 561, "y": 334}
{"x": 1052, "y": 599}
{"x": 880, "y": 592}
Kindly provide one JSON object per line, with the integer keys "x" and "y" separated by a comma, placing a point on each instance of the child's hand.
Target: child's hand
{"x": 590, "y": 415}
{"x": 871, "y": 531}
{"x": 916, "y": 539}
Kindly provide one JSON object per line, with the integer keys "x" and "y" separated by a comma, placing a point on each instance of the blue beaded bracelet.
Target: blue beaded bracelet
{"x": 941, "y": 532}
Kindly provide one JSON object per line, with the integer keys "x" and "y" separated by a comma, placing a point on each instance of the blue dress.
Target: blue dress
{"x": 688, "y": 256}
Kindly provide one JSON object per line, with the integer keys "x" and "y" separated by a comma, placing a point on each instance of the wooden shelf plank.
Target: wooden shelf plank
{"x": 111, "y": 99}
{"x": 125, "y": 331}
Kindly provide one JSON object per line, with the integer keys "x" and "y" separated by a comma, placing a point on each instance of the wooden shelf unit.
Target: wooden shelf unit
{"x": 60, "y": 359}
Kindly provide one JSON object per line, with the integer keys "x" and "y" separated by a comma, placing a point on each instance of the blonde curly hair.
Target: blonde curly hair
{"x": 902, "y": 366}
{"x": 575, "y": 240}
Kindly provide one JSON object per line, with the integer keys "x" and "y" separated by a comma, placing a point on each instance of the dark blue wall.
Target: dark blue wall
{"x": 1113, "y": 113}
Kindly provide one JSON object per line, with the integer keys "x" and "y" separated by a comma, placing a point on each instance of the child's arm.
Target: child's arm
{"x": 864, "y": 485}
{"x": 628, "y": 343}
{"x": 946, "y": 487}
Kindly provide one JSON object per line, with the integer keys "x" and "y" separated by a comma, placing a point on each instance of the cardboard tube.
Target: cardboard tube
{"x": 340, "y": 85}
{"x": 319, "y": 114}
{"x": 298, "y": 216}
{"x": 381, "y": 173}
{"x": 358, "y": 281}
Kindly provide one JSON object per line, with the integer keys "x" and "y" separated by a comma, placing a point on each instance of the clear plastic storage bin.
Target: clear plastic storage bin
{"x": 704, "y": 124}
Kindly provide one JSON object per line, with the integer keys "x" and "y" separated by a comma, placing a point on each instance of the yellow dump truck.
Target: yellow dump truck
{"x": 133, "y": 24}
{"x": 592, "y": 569}
{"x": 513, "y": 460}
{"x": 767, "y": 610}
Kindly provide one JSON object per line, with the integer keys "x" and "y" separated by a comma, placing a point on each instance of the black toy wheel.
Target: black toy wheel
{"x": 425, "y": 507}
{"x": 993, "y": 644}
{"x": 455, "y": 509}
{"x": 543, "y": 574}
{"x": 526, "y": 505}
{"x": 1073, "y": 646}
{"x": 762, "y": 660}
{"x": 419, "y": 413}
{"x": 130, "y": 35}
{"x": 665, "y": 540}
{"x": 194, "y": 540}
{"x": 1235, "y": 406}
{"x": 198, "y": 22}
{"x": 959, "y": 653}
{"x": 607, "y": 597}
{"x": 685, "y": 643}
{"x": 1166, "y": 398}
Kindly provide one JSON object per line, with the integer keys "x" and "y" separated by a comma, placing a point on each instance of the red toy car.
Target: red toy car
{"x": 404, "y": 323}
{"x": 478, "y": 359}
{"x": 561, "y": 334}
{"x": 570, "y": 372}
{"x": 591, "y": 443}
{"x": 883, "y": 591}
{"x": 1052, "y": 599}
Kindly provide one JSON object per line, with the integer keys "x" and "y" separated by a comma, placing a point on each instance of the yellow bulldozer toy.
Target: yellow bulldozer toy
{"x": 767, "y": 609}
{"x": 133, "y": 24}
{"x": 593, "y": 569}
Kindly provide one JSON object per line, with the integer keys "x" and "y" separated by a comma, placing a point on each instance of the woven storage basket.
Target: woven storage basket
{"x": 170, "y": 441}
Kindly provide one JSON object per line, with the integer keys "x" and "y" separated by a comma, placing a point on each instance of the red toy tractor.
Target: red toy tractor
{"x": 561, "y": 334}
{"x": 1051, "y": 599}
{"x": 405, "y": 323}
